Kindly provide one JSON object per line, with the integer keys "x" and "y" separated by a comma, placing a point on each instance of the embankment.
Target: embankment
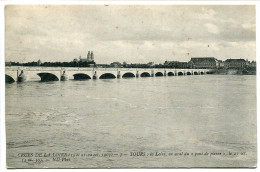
{"x": 234, "y": 72}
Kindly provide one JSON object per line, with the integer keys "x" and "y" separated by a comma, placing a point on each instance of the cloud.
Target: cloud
{"x": 208, "y": 14}
{"x": 249, "y": 26}
{"x": 127, "y": 33}
{"x": 212, "y": 28}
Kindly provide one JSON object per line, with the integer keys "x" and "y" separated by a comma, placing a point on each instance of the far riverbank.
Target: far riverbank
{"x": 234, "y": 72}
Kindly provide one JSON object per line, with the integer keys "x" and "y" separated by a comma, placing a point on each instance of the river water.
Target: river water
{"x": 101, "y": 123}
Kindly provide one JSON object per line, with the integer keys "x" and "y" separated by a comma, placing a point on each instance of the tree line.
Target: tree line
{"x": 52, "y": 64}
{"x": 85, "y": 64}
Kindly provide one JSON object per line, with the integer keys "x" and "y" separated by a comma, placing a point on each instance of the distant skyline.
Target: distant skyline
{"x": 131, "y": 33}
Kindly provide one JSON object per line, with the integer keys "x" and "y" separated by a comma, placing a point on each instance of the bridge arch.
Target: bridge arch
{"x": 180, "y": 73}
{"x": 128, "y": 75}
{"x": 170, "y": 74}
{"x": 48, "y": 77}
{"x": 145, "y": 74}
{"x": 159, "y": 74}
{"x": 107, "y": 76}
{"x": 9, "y": 79}
{"x": 196, "y": 73}
{"x": 81, "y": 76}
{"x": 188, "y": 73}
{"x": 201, "y": 73}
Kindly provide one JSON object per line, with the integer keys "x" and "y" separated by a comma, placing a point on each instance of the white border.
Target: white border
{"x": 123, "y": 2}
{"x": 2, "y": 68}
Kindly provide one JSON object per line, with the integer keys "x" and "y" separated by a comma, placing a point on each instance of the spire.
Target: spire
{"x": 92, "y": 56}
{"x": 88, "y": 56}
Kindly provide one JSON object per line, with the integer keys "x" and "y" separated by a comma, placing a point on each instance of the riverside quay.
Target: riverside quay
{"x": 21, "y": 74}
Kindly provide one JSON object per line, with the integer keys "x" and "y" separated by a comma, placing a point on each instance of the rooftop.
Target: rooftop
{"x": 235, "y": 60}
{"x": 203, "y": 59}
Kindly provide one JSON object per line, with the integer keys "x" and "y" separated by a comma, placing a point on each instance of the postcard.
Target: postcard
{"x": 130, "y": 86}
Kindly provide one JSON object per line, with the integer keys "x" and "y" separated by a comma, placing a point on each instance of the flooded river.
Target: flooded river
{"x": 137, "y": 122}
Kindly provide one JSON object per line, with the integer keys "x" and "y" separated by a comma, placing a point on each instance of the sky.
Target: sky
{"x": 130, "y": 33}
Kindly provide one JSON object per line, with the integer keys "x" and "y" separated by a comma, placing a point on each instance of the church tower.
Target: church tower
{"x": 92, "y": 56}
{"x": 88, "y": 57}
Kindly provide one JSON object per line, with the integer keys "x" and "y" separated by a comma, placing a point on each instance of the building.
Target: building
{"x": 221, "y": 64}
{"x": 176, "y": 64}
{"x": 150, "y": 64}
{"x": 235, "y": 63}
{"x": 251, "y": 64}
{"x": 116, "y": 64}
{"x": 89, "y": 59}
{"x": 39, "y": 62}
{"x": 204, "y": 63}
{"x": 75, "y": 60}
{"x": 102, "y": 65}
{"x": 8, "y": 63}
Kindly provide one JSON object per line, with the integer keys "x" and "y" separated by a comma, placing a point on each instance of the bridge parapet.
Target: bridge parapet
{"x": 78, "y": 69}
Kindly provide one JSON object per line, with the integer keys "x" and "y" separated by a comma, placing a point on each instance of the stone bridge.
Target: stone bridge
{"x": 55, "y": 73}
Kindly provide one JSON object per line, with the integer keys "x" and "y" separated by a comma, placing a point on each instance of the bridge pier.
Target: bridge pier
{"x": 137, "y": 74}
{"x": 21, "y": 77}
{"x": 152, "y": 73}
{"x": 118, "y": 74}
{"x": 64, "y": 76}
{"x": 95, "y": 75}
{"x": 165, "y": 73}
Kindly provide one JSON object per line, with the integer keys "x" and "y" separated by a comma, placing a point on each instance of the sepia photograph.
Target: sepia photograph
{"x": 130, "y": 86}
